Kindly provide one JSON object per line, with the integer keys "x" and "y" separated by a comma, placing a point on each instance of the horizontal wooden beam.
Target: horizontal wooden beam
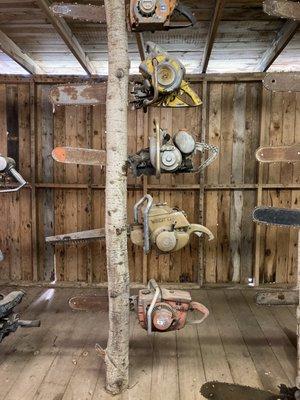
{"x": 197, "y": 78}
{"x": 62, "y": 28}
{"x": 13, "y": 51}
{"x": 212, "y": 33}
{"x": 283, "y": 37}
{"x": 247, "y": 186}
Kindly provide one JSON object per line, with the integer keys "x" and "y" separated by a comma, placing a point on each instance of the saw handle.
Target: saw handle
{"x": 185, "y": 12}
{"x": 146, "y": 212}
{"x": 7, "y": 166}
{"x": 194, "y": 306}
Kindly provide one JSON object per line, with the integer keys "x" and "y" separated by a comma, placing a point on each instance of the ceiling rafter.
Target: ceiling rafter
{"x": 212, "y": 33}
{"x": 283, "y": 37}
{"x": 64, "y": 31}
{"x": 10, "y": 48}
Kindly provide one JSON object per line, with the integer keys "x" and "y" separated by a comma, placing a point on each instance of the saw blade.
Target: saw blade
{"x": 78, "y": 95}
{"x": 89, "y": 303}
{"x": 283, "y": 217}
{"x": 94, "y": 234}
{"x": 230, "y": 391}
{"x": 282, "y": 82}
{"x": 279, "y": 153}
{"x": 77, "y": 155}
{"x": 282, "y": 8}
{"x": 282, "y": 297}
{"x": 82, "y": 12}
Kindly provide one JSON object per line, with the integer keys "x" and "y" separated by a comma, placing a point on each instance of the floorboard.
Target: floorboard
{"x": 240, "y": 342}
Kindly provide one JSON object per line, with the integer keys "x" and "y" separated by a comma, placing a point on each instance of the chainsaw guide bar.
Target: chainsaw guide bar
{"x": 282, "y": 82}
{"x": 278, "y": 154}
{"x": 77, "y": 237}
{"x": 78, "y": 95}
{"x": 282, "y": 9}
{"x": 82, "y": 12}
{"x": 283, "y": 217}
{"x": 77, "y": 155}
{"x": 278, "y": 298}
{"x": 89, "y": 303}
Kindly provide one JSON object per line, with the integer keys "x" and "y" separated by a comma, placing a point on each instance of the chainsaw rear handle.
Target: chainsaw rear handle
{"x": 146, "y": 212}
{"x": 7, "y": 166}
{"x": 201, "y": 147}
{"x": 185, "y": 12}
{"x": 194, "y": 306}
{"x": 152, "y": 285}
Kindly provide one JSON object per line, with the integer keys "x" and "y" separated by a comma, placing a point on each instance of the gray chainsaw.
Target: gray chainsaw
{"x": 165, "y": 154}
{"x": 8, "y": 169}
{"x": 158, "y": 309}
{"x": 215, "y": 390}
{"x": 283, "y": 9}
{"x": 155, "y": 226}
{"x": 10, "y": 321}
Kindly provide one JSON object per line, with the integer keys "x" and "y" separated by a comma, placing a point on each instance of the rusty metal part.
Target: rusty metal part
{"x": 77, "y": 155}
{"x": 89, "y": 303}
{"x": 279, "y": 153}
{"x": 163, "y": 310}
{"x": 153, "y": 15}
{"x": 283, "y": 217}
{"x": 77, "y": 237}
{"x": 82, "y": 12}
{"x": 282, "y": 8}
{"x": 282, "y": 81}
{"x": 85, "y": 95}
{"x": 278, "y": 297}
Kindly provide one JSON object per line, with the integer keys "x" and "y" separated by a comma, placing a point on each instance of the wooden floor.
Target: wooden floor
{"x": 239, "y": 343}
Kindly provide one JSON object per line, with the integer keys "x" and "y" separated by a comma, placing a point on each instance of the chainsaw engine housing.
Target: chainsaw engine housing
{"x": 155, "y": 15}
{"x": 164, "y": 228}
{"x": 163, "y": 310}
{"x": 164, "y": 84}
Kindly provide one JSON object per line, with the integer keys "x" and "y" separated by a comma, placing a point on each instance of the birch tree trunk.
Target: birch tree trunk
{"x": 116, "y": 354}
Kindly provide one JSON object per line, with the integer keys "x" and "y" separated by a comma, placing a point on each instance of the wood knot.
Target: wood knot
{"x": 120, "y": 73}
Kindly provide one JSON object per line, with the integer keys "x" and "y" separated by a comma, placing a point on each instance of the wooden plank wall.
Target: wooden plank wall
{"x": 71, "y": 198}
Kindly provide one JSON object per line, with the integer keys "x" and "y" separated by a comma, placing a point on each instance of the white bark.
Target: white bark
{"x": 116, "y": 355}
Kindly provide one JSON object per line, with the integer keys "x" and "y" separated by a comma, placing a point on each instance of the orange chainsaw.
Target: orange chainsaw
{"x": 158, "y": 309}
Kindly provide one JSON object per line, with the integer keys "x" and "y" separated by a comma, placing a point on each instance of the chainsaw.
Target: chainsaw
{"x": 232, "y": 391}
{"x": 282, "y": 8}
{"x": 165, "y": 154}
{"x": 7, "y": 168}
{"x": 282, "y": 217}
{"x": 155, "y": 226}
{"x": 282, "y": 82}
{"x": 10, "y": 321}
{"x": 158, "y": 309}
{"x": 163, "y": 84}
{"x": 279, "y": 153}
{"x": 155, "y": 15}
{"x": 168, "y": 154}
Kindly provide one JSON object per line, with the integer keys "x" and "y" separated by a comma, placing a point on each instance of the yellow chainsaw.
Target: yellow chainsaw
{"x": 155, "y": 226}
{"x": 164, "y": 84}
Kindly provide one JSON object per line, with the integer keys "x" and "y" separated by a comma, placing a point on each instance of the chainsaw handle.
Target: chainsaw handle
{"x": 146, "y": 102}
{"x": 146, "y": 212}
{"x": 201, "y": 147}
{"x": 200, "y": 308}
{"x": 7, "y": 166}
{"x": 186, "y": 12}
